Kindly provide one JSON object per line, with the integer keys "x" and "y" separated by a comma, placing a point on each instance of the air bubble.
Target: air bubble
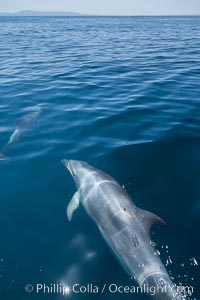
{"x": 153, "y": 243}
{"x": 193, "y": 261}
{"x": 182, "y": 265}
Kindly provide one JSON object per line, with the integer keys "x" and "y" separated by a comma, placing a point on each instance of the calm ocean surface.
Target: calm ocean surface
{"x": 122, "y": 93}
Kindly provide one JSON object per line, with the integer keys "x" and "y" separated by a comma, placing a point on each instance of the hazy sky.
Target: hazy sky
{"x": 115, "y": 7}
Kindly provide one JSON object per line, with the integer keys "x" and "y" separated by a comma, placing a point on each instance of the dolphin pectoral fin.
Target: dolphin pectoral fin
{"x": 149, "y": 219}
{"x": 3, "y": 156}
{"x": 73, "y": 205}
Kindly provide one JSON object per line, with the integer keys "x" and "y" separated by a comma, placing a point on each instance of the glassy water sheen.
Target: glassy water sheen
{"x": 121, "y": 93}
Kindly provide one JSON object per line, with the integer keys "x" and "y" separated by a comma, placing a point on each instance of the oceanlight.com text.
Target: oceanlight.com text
{"x": 76, "y": 288}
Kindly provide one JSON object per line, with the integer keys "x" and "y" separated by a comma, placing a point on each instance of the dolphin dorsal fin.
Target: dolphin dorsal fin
{"x": 73, "y": 205}
{"x": 149, "y": 219}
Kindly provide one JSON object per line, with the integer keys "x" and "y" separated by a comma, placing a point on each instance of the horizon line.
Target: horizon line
{"x": 95, "y": 15}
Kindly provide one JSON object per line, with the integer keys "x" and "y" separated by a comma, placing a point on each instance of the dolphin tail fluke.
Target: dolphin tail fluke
{"x": 3, "y": 156}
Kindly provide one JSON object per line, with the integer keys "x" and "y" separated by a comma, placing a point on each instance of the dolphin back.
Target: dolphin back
{"x": 28, "y": 119}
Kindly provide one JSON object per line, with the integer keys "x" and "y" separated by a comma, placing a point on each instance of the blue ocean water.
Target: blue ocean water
{"x": 121, "y": 93}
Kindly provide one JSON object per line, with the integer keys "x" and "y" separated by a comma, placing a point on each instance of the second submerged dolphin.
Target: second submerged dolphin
{"x": 21, "y": 125}
{"x": 125, "y": 227}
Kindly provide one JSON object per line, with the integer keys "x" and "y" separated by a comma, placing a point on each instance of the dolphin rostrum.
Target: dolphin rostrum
{"x": 125, "y": 227}
{"x": 21, "y": 125}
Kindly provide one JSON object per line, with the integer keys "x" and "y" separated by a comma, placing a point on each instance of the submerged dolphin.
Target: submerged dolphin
{"x": 125, "y": 227}
{"x": 21, "y": 125}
